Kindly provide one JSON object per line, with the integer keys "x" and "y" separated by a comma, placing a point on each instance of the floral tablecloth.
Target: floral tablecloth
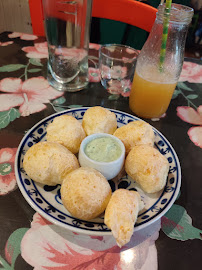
{"x": 28, "y": 240}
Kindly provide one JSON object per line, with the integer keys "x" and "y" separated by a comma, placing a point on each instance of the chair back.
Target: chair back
{"x": 128, "y": 11}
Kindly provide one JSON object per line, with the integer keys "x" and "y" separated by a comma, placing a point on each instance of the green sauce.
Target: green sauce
{"x": 103, "y": 149}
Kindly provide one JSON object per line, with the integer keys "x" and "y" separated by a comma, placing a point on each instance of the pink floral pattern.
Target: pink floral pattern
{"x": 94, "y": 46}
{"x": 39, "y": 50}
{"x": 3, "y": 44}
{"x": 22, "y": 36}
{"x": 119, "y": 87}
{"x": 130, "y": 50}
{"x": 115, "y": 72}
{"x": 62, "y": 249}
{"x": 191, "y": 116}
{"x": 8, "y": 253}
{"x": 195, "y": 135}
{"x": 68, "y": 53}
{"x": 93, "y": 74}
{"x": 191, "y": 72}
{"x": 30, "y": 95}
{"x": 7, "y": 175}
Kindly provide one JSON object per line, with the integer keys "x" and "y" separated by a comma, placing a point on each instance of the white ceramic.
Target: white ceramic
{"x": 47, "y": 199}
{"x": 108, "y": 169}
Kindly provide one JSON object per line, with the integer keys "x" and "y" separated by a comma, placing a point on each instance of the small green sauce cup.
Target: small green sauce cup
{"x": 108, "y": 169}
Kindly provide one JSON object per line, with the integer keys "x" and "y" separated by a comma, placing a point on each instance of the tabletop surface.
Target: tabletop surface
{"x": 27, "y": 238}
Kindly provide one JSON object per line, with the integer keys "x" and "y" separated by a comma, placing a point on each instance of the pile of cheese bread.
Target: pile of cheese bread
{"x": 85, "y": 192}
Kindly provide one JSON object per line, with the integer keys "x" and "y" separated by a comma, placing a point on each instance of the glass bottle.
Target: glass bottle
{"x": 153, "y": 83}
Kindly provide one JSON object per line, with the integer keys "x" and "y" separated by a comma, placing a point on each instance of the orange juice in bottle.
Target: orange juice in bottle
{"x": 159, "y": 63}
{"x": 150, "y": 98}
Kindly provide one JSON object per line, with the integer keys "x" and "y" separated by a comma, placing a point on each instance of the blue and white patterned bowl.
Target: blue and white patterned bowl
{"x": 47, "y": 200}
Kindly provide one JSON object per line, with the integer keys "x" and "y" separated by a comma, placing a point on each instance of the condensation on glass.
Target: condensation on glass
{"x": 155, "y": 76}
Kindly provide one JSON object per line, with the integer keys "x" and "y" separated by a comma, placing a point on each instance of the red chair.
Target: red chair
{"x": 128, "y": 11}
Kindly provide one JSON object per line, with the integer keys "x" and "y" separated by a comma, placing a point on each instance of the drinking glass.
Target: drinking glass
{"x": 117, "y": 65}
{"x": 67, "y": 31}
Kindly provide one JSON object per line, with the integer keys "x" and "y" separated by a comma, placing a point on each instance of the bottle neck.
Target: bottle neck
{"x": 179, "y": 14}
{"x": 149, "y": 59}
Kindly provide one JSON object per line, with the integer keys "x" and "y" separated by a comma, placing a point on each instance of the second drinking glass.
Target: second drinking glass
{"x": 117, "y": 66}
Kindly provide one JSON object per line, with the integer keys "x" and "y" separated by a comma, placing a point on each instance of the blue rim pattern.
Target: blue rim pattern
{"x": 32, "y": 194}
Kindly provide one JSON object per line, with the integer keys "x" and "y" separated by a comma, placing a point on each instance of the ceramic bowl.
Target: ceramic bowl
{"x": 108, "y": 169}
{"x": 47, "y": 200}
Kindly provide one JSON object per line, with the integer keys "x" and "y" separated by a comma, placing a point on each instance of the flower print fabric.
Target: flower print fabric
{"x": 192, "y": 116}
{"x": 7, "y": 174}
{"x": 22, "y": 36}
{"x": 93, "y": 74}
{"x": 30, "y": 95}
{"x": 3, "y": 44}
{"x": 39, "y": 50}
{"x": 63, "y": 249}
{"x": 191, "y": 72}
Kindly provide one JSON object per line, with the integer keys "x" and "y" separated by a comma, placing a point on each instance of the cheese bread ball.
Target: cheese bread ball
{"x": 66, "y": 130}
{"x": 85, "y": 193}
{"x": 48, "y": 163}
{"x": 99, "y": 120}
{"x": 148, "y": 167}
{"x": 135, "y": 133}
{"x": 121, "y": 214}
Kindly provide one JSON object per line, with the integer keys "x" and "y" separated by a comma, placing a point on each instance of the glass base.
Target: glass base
{"x": 73, "y": 86}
